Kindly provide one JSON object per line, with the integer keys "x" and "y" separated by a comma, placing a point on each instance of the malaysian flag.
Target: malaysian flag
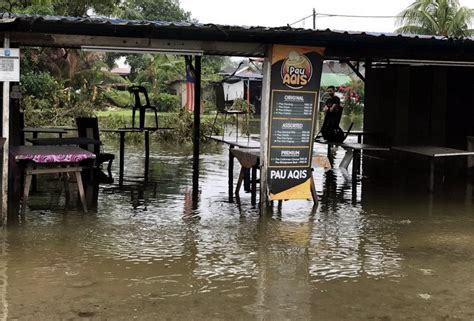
{"x": 190, "y": 86}
{"x": 190, "y": 81}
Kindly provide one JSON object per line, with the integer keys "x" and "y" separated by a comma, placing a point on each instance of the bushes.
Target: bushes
{"x": 165, "y": 102}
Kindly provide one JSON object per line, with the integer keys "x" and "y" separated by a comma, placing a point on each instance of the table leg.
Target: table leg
{"x": 26, "y": 192}
{"x": 142, "y": 118}
{"x": 121, "y": 157}
{"x": 231, "y": 173}
{"x": 355, "y": 164}
{"x": 67, "y": 195}
{"x": 254, "y": 185}
{"x": 431, "y": 178}
{"x": 359, "y": 138}
{"x": 239, "y": 182}
{"x": 313, "y": 190}
{"x": 347, "y": 159}
{"x": 147, "y": 154}
{"x": 80, "y": 187}
{"x": 247, "y": 187}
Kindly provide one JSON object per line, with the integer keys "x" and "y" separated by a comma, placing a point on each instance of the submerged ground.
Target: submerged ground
{"x": 385, "y": 250}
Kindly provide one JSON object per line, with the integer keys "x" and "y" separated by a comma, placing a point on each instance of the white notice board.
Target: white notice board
{"x": 9, "y": 64}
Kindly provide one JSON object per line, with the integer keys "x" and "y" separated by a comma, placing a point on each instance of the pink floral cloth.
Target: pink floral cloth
{"x": 50, "y": 154}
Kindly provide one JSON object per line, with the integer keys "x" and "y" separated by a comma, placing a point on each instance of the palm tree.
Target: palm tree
{"x": 437, "y": 17}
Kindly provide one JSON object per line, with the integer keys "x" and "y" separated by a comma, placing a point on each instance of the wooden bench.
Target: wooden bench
{"x": 249, "y": 159}
{"x": 432, "y": 152}
{"x": 353, "y": 153}
{"x": 51, "y": 160}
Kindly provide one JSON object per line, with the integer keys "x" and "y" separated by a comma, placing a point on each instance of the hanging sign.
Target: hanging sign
{"x": 296, "y": 74}
{"x": 9, "y": 64}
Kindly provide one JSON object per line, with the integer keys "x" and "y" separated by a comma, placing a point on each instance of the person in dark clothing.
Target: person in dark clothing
{"x": 333, "y": 113}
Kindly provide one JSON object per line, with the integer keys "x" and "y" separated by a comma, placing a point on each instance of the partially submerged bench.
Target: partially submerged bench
{"x": 432, "y": 152}
{"x": 249, "y": 159}
{"x": 353, "y": 152}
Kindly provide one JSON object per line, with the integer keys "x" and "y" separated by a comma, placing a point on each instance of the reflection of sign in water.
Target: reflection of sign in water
{"x": 9, "y": 64}
{"x": 296, "y": 73}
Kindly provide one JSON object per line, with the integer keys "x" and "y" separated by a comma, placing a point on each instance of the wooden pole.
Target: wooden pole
{"x": 264, "y": 120}
{"x": 5, "y": 134}
{"x": 197, "y": 129}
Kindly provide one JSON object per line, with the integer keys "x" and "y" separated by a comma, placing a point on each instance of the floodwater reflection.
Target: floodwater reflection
{"x": 368, "y": 251}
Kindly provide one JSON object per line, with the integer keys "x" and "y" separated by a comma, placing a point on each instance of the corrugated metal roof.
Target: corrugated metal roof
{"x": 339, "y": 44}
{"x": 200, "y": 26}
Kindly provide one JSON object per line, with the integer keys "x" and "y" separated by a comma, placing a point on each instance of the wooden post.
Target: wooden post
{"x": 147, "y": 155}
{"x": 5, "y": 134}
{"x": 197, "y": 129}
{"x": 264, "y": 120}
{"x": 314, "y": 19}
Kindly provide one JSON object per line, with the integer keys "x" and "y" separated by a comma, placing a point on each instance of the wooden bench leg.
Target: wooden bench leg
{"x": 26, "y": 192}
{"x": 313, "y": 191}
{"x": 347, "y": 159}
{"x": 239, "y": 181}
{"x": 80, "y": 187}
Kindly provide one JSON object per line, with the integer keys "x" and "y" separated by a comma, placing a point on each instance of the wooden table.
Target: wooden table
{"x": 49, "y": 160}
{"x": 36, "y": 131}
{"x": 432, "y": 152}
{"x": 244, "y": 143}
{"x": 75, "y": 141}
{"x": 122, "y": 132}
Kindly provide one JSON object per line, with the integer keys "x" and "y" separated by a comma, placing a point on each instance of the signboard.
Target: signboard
{"x": 296, "y": 74}
{"x": 9, "y": 64}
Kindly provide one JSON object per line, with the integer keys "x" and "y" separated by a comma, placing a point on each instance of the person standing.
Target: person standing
{"x": 333, "y": 113}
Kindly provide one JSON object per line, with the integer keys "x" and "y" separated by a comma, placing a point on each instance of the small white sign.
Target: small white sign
{"x": 9, "y": 64}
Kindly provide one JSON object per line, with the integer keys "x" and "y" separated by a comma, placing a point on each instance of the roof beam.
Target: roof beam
{"x": 207, "y": 47}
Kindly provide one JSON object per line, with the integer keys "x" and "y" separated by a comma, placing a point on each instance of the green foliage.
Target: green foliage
{"x": 166, "y": 102}
{"x": 118, "y": 98}
{"x": 183, "y": 127}
{"x": 354, "y": 97}
{"x": 437, "y": 17}
{"x": 164, "y": 10}
{"x": 243, "y": 105}
{"x": 11, "y": 6}
{"x": 40, "y": 85}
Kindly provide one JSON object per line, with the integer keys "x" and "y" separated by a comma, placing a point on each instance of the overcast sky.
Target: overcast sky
{"x": 282, "y": 12}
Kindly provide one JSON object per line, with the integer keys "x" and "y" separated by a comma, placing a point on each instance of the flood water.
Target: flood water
{"x": 383, "y": 249}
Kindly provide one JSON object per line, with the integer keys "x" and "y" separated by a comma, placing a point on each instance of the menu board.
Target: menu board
{"x": 296, "y": 74}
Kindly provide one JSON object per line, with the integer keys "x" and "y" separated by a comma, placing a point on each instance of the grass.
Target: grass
{"x": 128, "y": 113}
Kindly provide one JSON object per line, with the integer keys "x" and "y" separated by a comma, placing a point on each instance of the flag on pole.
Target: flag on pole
{"x": 190, "y": 82}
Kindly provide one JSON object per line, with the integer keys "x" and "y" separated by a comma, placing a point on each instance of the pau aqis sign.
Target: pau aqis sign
{"x": 296, "y": 74}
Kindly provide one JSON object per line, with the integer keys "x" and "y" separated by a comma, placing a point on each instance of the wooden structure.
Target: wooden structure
{"x": 36, "y": 160}
{"x": 392, "y": 93}
{"x": 432, "y": 153}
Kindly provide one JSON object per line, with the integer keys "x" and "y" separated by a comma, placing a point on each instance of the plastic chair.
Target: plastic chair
{"x": 89, "y": 127}
{"x": 142, "y": 103}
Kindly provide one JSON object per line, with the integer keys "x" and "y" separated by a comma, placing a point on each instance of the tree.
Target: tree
{"x": 437, "y": 17}
{"x": 10, "y": 6}
{"x": 163, "y": 10}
